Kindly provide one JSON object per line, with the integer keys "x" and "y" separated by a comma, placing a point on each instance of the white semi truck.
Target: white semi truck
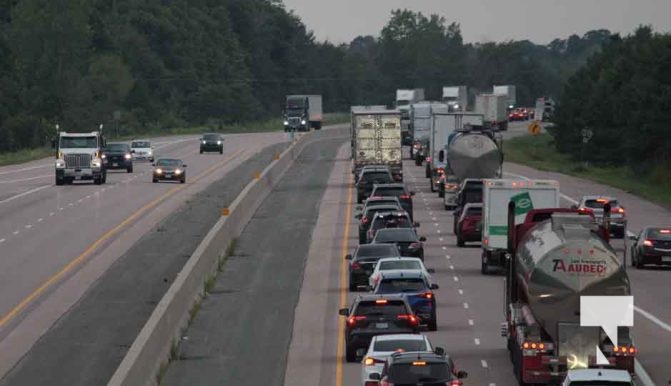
{"x": 493, "y": 108}
{"x": 79, "y": 156}
{"x": 376, "y": 140}
{"x": 510, "y": 92}
{"x": 456, "y": 97}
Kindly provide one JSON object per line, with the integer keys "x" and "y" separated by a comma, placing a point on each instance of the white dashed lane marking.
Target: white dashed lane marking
{"x": 2, "y": 241}
{"x": 444, "y": 248}
{"x": 452, "y": 267}
{"x": 470, "y": 322}
{"x": 51, "y": 213}
{"x": 456, "y": 278}
{"x": 40, "y": 219}
{"x": 477, "y": 341}
{"x": 461, "y": 292}
{"x": 466, "y": 305}
{"x": 484, "y": 363}
{"x": 15, "y": 232}
{"x": 28, "y": 226}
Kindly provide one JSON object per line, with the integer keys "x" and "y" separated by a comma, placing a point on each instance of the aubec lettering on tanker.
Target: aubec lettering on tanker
{"x": 580, "y": 266}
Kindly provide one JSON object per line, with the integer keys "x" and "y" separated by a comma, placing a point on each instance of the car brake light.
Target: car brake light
{"x": 428, "y": 295}
{"x": 364, "y": 219}
{"x": 381, "y": 301}
{"x": 456, "y": 382}
{"x": 619, "y": 210}
{"x": 601, "y": 200}
{"x": 355, "y": 265}
{"x": 647, "y": 243}
{"x": 410, "y": 318}
{"x": 419, "y": 363}
{"x": 351, "y": 321}
{"x": 664, "y": 231}
{"x": 404, "y": 197}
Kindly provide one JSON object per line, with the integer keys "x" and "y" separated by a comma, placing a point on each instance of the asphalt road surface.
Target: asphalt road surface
{"x": 470, "y": 305}
{"x": 57, "y": 240}
{"x": 242, "y": 331}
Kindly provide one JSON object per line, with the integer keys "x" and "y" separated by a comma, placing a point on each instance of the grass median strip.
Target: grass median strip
{"x": 540, "y": 153}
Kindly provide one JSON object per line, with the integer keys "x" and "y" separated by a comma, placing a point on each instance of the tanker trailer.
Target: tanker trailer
{"x": 474, "y": 153}
{"x": 557, "y": 256}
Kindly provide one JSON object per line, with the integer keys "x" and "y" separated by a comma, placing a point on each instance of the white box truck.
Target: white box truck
{"x": 510, "y": 92}
{"x": 493, "y": 108}
{"x": 377, "y": 140}
{"x": 497, "y": 193}
{"x": 456, "y": 97}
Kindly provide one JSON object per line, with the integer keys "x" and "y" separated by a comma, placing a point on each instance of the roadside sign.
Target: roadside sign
{"x": 534, "y": 128}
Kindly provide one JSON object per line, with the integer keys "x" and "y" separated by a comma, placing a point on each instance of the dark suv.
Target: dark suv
{"x": 363, "y": 260}
{"x": 368, "y": 215}
{"x": 383, "y": 220}
{"x": 372, "y": 315}
{"x": 417, "y": 288}
{"x": 395, "y": 190}
{"x": 420, "y": 368}
{"x": 118, "y": 156}
{"x": 211, "y": 142}
{"x": 368, "y": 178}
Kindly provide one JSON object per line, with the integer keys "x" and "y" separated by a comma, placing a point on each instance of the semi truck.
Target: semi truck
{"x": 79, "y": 156}
{"x": 510, "y": 92}
{"x": 359, "y": 110}
{"x": 493, "y": 108}
{"x": 456, "y": 97}
{"x": 302, "y": 112}
{"x": 555, "y": 257}
{"x": 405, "y": 98}
{"x": 420, "y": 118}
{"x": 474, "y": 152}
{"x": 528, "y": 194}
{"x": 442, "y": 126}
{"x": 377, "y": 140}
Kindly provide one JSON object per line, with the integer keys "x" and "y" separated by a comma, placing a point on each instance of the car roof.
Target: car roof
{"x": 396, "y": 258}
{"x": 411, "y": 356}
{"x": 397, "y": 213}
{"x": 140, "y": 140}
{"x": 400, "y": 336}
{"x": 473, "y": 205}
{"x": 598, "y": 374}
{"x": 390, "y": 185}
{"x": 381, "y": 198}
{"x": 373, "y": 297}
{"x": 402, "y": 274}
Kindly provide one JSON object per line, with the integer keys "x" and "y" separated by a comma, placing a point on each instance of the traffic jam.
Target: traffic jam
{"x": 549, "y": 255}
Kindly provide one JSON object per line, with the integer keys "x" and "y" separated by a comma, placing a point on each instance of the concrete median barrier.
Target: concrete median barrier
{"x": 154, "y": 343}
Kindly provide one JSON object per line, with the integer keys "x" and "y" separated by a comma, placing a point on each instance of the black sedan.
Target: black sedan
{"x": 363, "y": 261}
{"x": 212, "y": 143}
{"x": 653, "y": 246}
{"x": 118, "y": 156}
{"x": 404, "y": 238}
{"x": 170, "y": 169}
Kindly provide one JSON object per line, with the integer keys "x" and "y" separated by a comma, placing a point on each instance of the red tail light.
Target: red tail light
{"x": 428, "y": 295}
{"x": 404, "y": 197}
{"x": 415, "y": 245}
{"x": 648, "y": 243}
{"x": 428, "y": 159}
{"x": 364, "y": 220}
{"x": 455, "y": 383}
{"x": 412, "y": 319}
{"x": 372, "y": 383}
{"x": 352, "y": 320}
{"x": 355, "y": 265}
{"x": 665, "y": 231}
{"x": 619, "y": 210}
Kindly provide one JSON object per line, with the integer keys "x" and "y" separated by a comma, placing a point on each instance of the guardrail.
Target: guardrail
{"x": 153, "y": 344}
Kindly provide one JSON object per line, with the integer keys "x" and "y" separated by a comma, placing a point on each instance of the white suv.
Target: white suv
{"x": 605, "y": 377}
{"x": 142, "y": 149}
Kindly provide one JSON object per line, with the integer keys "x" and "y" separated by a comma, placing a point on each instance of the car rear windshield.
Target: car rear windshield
{"x": 660, "y": 234}
{"x": 375, "y": 209}
{"x": 400, "y": 344}
{"x": 373, "y": 308}
{"x": 474, "y": 211}
{"x": 404, "y": 236}
{"x": 385, "y": 202}
{"x": 116, "y": 147}
{"x": 377, "y": 250}
{"x": 389, "y": 191}
{"x": 396, "y": 222}
{"x": 140, "y": 144}
{"x": 400, "y": 285}
{"x": 424, "y": 372}
{"x": 379, "y": 176}
{"x": 472, "y": 195}
{"x": 400, "y": 264}
{"x": 595, "y": 204}
{"x": 167, "y": 162}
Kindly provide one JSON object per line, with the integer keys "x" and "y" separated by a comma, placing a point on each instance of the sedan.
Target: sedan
{"x": 363, "y": 260}
{"x": 653, "y": 246}
{"x": 170, "y": 169}
{"x": 404, "y": 238}
{"x": 382, "y": 346}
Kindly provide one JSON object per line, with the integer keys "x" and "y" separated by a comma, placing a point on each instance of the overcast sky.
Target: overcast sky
{"x": 541, "y": 21}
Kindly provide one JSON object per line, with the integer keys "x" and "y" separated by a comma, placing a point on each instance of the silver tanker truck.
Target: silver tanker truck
{"x": 556, "y": 256}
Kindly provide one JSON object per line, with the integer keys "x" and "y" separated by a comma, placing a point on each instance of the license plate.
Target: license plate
{"x": 168, "y": 175}
{"x": 666, "y": 259}
{"x": 381, "y": 325}
{"x": 115, "y": 164}
{"x": 78, "y": 177}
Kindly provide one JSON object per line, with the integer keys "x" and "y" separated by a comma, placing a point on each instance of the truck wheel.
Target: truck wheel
{"x": 433, "y": 325}
{"x": 427, "y": 171}
{"x": 104, "y": 177}
{"x": 484, "y": 268}
{"x": 350, "y": 355}
{"x": 433, "y": 189}
{"x": 418, "y": 161}
{"x": 460, "y": 242}
{"x": 60, "y": 181}
{"x": 221, "y": 150}
{"x": 201, "y": 151}
{"x": 359, "y": 199}
{"x": 154, "y": 180}
{"x": 441, "y": 193}
{"x": 98, "y": 180}
{"x": 129, "y": 169}
{"x": 454, "y": 224}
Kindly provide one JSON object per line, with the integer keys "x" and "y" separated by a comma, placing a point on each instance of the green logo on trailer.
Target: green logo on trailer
{"x": 523, "y": 203}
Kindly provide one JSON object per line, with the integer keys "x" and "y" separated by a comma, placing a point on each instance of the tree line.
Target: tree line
{"x": 152, "y": 64}
{"x": 621, "y": 98}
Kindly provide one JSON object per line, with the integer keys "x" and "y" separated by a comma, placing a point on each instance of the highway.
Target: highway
{"x": 56, "y": 241}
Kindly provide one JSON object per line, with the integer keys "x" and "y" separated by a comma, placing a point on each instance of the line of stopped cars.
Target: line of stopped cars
{"x": 397, "y": 302}
{"x": 121, "y": 155}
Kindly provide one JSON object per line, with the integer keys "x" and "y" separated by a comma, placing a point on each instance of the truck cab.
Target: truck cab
{"x": 79, "y": 156}
{"x": 296, "y": 113}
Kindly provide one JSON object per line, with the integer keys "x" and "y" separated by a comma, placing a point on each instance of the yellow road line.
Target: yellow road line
{"x": 82, "y": 257}
{"x": 343, "y": 286}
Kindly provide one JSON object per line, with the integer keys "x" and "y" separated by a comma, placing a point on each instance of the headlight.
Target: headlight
{"x": 96, "y": 163}
{"x": 60, "y": 164}
{"x": 218, "y": 142}
{"x": 286, "y": 123}
{"x": 127, "y": 156}
{"x": 159, "y": 171}
{"x": 178, "y": 172}
{"x": 149, "y": 152}
{"x": 204, "y": 142}
{"x": 103, "y": 156}
{"x": 303, "y": 122}
{"x": 456, "y": 106}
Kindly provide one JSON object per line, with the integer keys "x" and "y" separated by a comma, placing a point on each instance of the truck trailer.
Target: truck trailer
{"x": 456, "y": 97}
{"x": 510, "y": 93}
{"x": 494, "y": 109}
{"x": 376, "y": 137}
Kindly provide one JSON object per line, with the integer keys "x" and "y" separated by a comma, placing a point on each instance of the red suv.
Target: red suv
{"x": 469, "y": 227}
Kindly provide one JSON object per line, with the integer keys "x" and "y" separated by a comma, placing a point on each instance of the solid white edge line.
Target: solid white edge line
{"x": 643, "y": 375}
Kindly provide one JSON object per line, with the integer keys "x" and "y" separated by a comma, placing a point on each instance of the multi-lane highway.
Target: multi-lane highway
{"x": 55, "y": 241}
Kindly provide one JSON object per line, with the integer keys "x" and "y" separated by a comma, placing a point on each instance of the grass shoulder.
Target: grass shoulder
{"x": 27, "y": 155}
{"x": 540, "y": 153}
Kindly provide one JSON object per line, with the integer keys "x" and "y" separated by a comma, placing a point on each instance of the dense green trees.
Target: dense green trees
{"x": 163, "y": 63}
{"x": 623, "y": 95}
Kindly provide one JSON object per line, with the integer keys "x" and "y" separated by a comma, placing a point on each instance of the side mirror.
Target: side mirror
{"x": 358, "y": 216}
{"x": 434, "y": 286}
{"x": 344, "y": 311}
{"x": 415, "y": 224}
{"x": 439, "y": 351}
{"x": 375, "y": 376}
{"x": 184, "y": 166}
{"x": 461, "y": 374}
{"x": 348, "y": 257}
{"x": 422, "y": 239}
{"x": 430, "y": 270}
{"x": 574, "y": 207}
